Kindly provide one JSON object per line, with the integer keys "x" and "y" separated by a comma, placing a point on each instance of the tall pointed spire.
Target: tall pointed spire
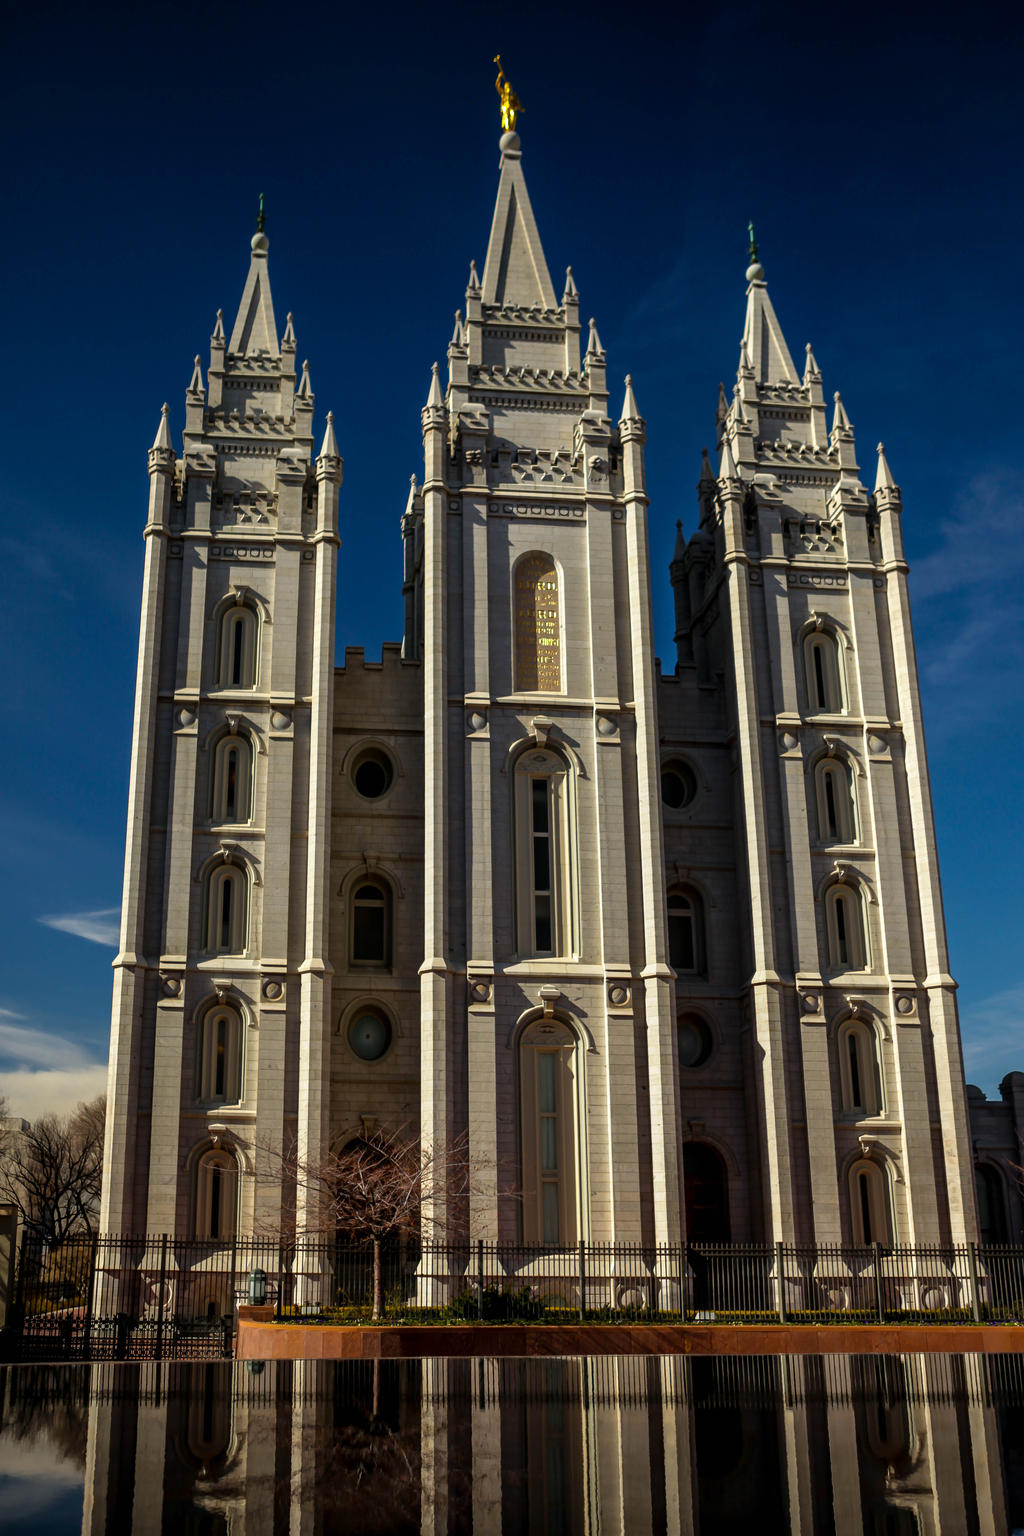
{"x": 763, "y": 341}
{"x": 305, "y": 389}
{"x": 255, "y": 330}
{"x": 329, "y": 447}
{"x": 515, "y": 271}
{"x": 594, "y": 347}
{"x": 840, "y": 420}
{"x": 163, "y": 431}
{"x": 727, "y": 468}
{"x": 630, "y": 409}
{"x": 196, "y": 386}
{"x": 435, "y": 396}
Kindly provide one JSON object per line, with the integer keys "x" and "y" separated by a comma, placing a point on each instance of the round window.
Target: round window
{"x": 678, "y": 785}
{"x": 694, "y": 1041}
{"x": 373, "y": 774}
{"x": 369, "y": 1035}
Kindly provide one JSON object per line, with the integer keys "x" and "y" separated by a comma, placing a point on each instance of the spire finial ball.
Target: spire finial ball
{"x": 259, "y": 243}
{"x": 755, "y": 272}
{"x": 880, "y": 448}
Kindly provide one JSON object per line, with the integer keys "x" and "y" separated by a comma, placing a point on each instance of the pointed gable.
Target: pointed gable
{"x": 515, "y": 271}
{"x": 255, "y": 330}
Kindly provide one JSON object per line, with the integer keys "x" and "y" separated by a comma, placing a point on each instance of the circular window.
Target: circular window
{"x": 369, "y": 1035}
{"x": 694, "y": 1041}
{"x": 678, "y": 785}
{"x": 373, "y": 774}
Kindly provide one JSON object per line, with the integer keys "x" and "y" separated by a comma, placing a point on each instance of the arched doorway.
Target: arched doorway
{"x": 706, "y": 1190}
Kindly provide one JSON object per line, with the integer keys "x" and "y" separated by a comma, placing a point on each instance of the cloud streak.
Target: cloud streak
{"x": 33, "y": 1048}
{"x": 991, "y": 1031}
{"x": 101, "y": 927}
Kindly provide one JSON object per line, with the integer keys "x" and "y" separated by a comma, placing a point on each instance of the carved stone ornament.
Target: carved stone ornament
{"x": 904, "y": 1004}
{"x": 280, "y": 720}
{"x": 618, "y": 995}
{"x": 809, "y": 1002}
{"x": 877, "y": 745}
{"x": 234, "y": 721}
{"x": 171, "y": 985}
{"x": 273, "y": 989}
{"x": 186, "y": 716}
{"x": 598, "y": 467}
{"x": 479, "y": 990}
{"x": 549, "y": 997}
{"x": 222, "y": 990}
{"x": 870, "y": 1147}
{"x": 787, "y": 741}
{"x": 540, "y": 729}
{"x": 841, "y": 872}
{"x": 606, "y": 727}
{"x": 475, "y": 721}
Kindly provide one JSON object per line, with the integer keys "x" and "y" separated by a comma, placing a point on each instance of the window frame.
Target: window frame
{"x": 824, "y": 672}
{"x": 533, "y": 766}
{"x": 237, "y": 876}
{"x": 233, "y": 1065}
{"x": 238, "y": 616}
{"x": 864, "y": 1174}
{"x": 841, "y": 932}
{"x": 211, "y": 1201}
{"x": 682, "y": 892}
{"x": 231, "y": 741}
{"x": 836, "y": 768}
{"x": 550, "y": 1040}
{"x": 519, "y": 685}
{"x": 384, "y": 888}
{"x": 868, "y": 1074}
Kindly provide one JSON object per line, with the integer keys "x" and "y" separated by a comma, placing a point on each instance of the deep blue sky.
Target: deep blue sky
{"x": 878, "y": 151}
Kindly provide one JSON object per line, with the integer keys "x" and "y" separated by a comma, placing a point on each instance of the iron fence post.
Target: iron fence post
{"x": 480, "y": 1279}
{"x": 781, "y": 1280}
{"x": 583, "y": 1278}
{"x": 90, "y": 1286}
{"x": 161, "y": 1301}
{"x": 972, "y": 1270}
{"x": 876, "y": 1260}
{"x": 280, "y": 1275}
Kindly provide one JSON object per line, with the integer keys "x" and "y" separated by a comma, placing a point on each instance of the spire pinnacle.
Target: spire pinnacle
{"x": 305, "y": 389}
{"x": 458, "y": 337}
{"x": 755, "y": 271}
{"x": 435, "y": 396}
{"x": 329, "y": 447}
{"x": 840, "y": 421}
{"x": 289, "y": 331}
{"x": 811, "y": 368}
{"x": 474, "y": 282}
{"x": 594, "y": 344}
{"x": 727, "y": 468}
{"x": 679, "y": 551}
{"x": 630, "y": 409}
{"x": 255, "y": 330}
{"x": 883, "y": 479}
{"x": 410, "y": 505}
{"x": 218, "y": 330}
{"x": 571, "y": 291}
{"x": 196, "y": 386}
{"x": 163, "y": 431}
{"x": 515, "y": 270}
{"x": 261, "y": 218}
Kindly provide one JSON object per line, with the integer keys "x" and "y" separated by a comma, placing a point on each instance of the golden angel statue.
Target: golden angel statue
{"x": 510, "y": 103}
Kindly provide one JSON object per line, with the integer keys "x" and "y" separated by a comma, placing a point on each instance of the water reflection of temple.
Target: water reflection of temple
{"x": 861, "y": 1446}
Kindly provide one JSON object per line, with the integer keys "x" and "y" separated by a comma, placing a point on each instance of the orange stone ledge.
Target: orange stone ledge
{"x": 260, "y": 1340}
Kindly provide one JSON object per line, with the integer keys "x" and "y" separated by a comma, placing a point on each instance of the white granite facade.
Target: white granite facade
{"x": 488, "y": 986}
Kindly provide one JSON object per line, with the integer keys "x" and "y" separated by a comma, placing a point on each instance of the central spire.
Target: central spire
{"x": 515, "y": 272}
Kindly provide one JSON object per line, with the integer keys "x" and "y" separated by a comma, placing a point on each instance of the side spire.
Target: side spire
{"x": 163, "y": 431}
{"x": 255, "y": 330}
{"x": 763, "y": 341}
{"x": 305, "y": 389}
{"x": 329, "y": 447}
{"x": 196, "y": 386}
{"x": 884, "y": 478}
{"x": 435, "y": 396}
{"x": 630, "y": 409}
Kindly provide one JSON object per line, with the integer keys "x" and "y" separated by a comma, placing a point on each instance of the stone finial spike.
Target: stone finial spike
{"x": 594, "y": 344}
{"x": 457, "y": 333}
{"x": 570, "y": 286}
{"x": 163, "y": 431}
{"x": 196, "y": 386}
{"x": 727, "y": 468}
{"x": 474, "y": 282}
{"x": 883, "y": 479}
{"x": 410, "y": 505}
{"x": 305, "y": 389}
{"x": 811, "y": 365}
{"x": 706, "y": 472}
{"x": 840, "y": 421}
{"x": 329, "y": 447}
{"x": 722, "y": 409}
{"x": 745, "y": 365}
{"x": 435, "y": 396}
{"x": 218, "y": 330}
{"x": 289, "y": 331}
{"x": 630, "y": 409}
{"x": 679, "y": 551}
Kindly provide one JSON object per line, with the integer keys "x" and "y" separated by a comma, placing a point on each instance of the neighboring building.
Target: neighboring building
{"x": 670, "y": 946}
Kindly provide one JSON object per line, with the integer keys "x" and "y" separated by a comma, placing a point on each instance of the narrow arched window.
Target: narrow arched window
{"x": 860, "y": 1079}
{"x": 844, "y": 922}
{"x": 833, "y": 783}
{"x": 538, "y": 625}
{"x": 220, "y": 1056}
{"x": 545, "y": 853}
{"x": 823, "y": 673}
{"x": 685, "y": 931}
{"x": 237, "y": 662}
{"x": 227, "y": 911}
{"x": 549, "y": 1127}
{"x": 370, "y": 930}
{"x": 232, "y": 781}
{"x": 870, "y": 1214}
{"x": 216, "y": 1195}
{"x": 991, "y": 1192}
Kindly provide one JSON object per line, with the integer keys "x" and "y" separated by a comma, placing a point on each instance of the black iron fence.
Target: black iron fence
{"x": 114, "y": 1297}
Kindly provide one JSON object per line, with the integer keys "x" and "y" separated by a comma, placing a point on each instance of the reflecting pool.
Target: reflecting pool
{"x": 856, "y": 1445}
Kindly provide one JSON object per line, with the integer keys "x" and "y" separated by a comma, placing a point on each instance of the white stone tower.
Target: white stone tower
{"x": 221, "y": 1003}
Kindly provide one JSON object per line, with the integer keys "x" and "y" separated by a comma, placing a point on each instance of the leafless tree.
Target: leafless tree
{"x": 52, "y": 1170}
{"x": 376, "y": 1189}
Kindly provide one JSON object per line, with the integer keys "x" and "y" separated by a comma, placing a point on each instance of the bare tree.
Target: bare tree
{"x": 51, "y": 1170}
{"x": 375, "y": 1189}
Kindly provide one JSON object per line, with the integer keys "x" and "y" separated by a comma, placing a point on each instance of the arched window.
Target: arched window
{"x": 216, "y": 1195}
{"x": 227, "y": 911}
{"x": 239, "y": 635}
{"x": 823, "y": 672}
{"x": 370, "y": 926}
{"x": 870, "y": 1214}
{"x": 545, "y": 851}
{"x": 549, "y": 1127}
{"x": 231, "y": 802}
{"x": 844, "y": 923}
{"x": 992, "y": 1223}
{"x": 685, "y": 931}
{"x": 538, "y": 625}
{"x": 859, "y": 1076}
{"x": 833, "y": 784}
{"x": 706, "y": 1193}
{"x": 220, "y": 1056}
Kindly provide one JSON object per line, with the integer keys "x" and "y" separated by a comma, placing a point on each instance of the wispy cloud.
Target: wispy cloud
{"x": 36, "y": 1048}
{"x": 42, "y": 1073}
{"x": 99, "y": 927}
{"x": 991, "y": 1030}
{"x": 980, "y": 543}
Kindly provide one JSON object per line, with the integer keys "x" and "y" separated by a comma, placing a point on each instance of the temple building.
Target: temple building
{"x": 666, "y": 939}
